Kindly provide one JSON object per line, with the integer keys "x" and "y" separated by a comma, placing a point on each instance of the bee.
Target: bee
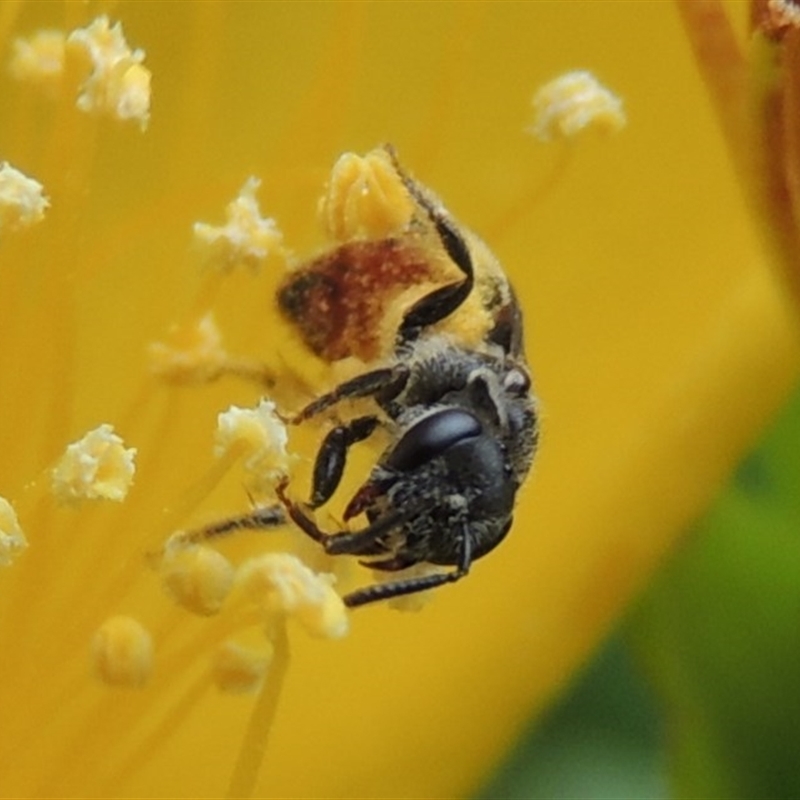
{"x": 450, "y": 387}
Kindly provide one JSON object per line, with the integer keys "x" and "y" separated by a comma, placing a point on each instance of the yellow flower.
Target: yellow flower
{"x": 660, "y": 341}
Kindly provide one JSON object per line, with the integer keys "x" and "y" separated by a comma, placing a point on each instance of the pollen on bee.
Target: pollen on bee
{"x": 38, "y": 59}
{"x": 365, "y": 199}
{"x": 246, "y": 238}
{"x": 22, "y": 200}
{"x": 12, "y": 538}
{"x": 238, "y": 669}
{"x": 122, "y": 652}
{"x": 260, "y": 434}
{"x": 96, "y": 467}
{"x": 197, "y": 578}
{"x": 572, "y": 103}
{"x": 280, "y": 583}
{"x": 118, "y": 84}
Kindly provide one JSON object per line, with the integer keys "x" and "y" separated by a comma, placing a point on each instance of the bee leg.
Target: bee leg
{"x": 332, "y": 456}
{"x": 364, "y": 542}
{"x": 385, "y": 591}
{"x": 257, "y": 519}
{"x": 382, "y": 384}
{"x": 443, "y": 301}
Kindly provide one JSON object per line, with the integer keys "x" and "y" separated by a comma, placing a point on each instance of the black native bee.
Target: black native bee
{"x": 457, "y": 406}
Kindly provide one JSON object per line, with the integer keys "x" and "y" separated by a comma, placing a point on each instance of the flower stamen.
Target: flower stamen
{"x": 97, "y": 467}
{"x": 240, "y": 670}
{"x": 246, "y": 239}
{"x": 122, "y": 652}
{"x": 197, "y": 578}
{"x": 119, "y": 84}
{"x": 261, "y": 436}
{"x": 573, "y": 103}
{"x": 22, "y": 200}
{"x": 12, "y": 539}
{"x": 39, "y": 58}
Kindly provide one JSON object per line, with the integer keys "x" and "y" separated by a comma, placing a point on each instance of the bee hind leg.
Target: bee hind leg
{"x": 443, "y": 301}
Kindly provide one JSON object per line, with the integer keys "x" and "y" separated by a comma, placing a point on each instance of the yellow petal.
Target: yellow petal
{"x": 659, "y": 339}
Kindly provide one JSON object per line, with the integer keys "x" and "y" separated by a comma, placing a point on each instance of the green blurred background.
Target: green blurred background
{"x": 697, "y": 693}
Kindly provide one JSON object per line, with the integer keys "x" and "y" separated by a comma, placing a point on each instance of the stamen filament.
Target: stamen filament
{"x": 254, "y": 746}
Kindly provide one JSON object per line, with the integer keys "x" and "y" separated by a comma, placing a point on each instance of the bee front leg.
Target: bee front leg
{"x": 363, "y": 542}
{"x": 383, "y": 384}
{"x": 332, "y": 456}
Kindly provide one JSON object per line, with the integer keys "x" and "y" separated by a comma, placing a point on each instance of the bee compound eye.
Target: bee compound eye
{"x": 431, "y": 436}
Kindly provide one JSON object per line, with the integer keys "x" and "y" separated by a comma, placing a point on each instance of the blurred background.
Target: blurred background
{"x": 697, "y": 692}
